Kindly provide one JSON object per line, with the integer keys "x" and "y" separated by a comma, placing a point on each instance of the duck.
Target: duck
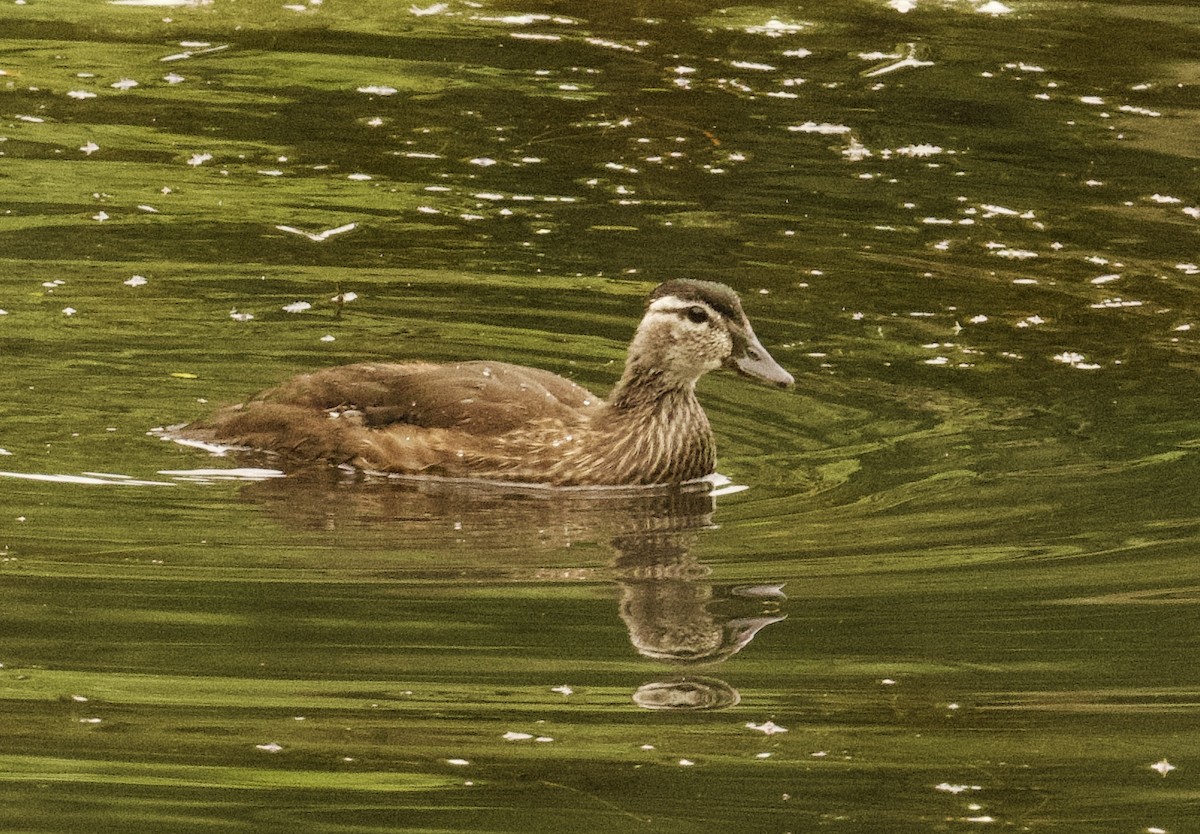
{"x": 495, "y": 421}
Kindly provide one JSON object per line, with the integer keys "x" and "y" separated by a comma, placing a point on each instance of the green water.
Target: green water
{"x": 974, "y": 238}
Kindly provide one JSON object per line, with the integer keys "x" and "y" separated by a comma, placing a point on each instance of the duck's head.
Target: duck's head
{"x": 693, "y": 327}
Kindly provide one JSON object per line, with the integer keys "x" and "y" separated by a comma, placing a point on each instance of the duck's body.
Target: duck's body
{"x": 497, "y": 421}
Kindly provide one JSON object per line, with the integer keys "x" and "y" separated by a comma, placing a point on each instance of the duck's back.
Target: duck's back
{"x": 330, "y": 414}
{"x": 485, "y": 398}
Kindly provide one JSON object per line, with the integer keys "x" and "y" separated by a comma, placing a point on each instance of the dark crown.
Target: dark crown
{"x": 718, "y": 296}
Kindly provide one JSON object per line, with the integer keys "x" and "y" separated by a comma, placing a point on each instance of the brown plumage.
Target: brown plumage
{"x": 497, "y": 421}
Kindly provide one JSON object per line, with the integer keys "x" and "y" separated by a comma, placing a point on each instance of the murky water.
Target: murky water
{"x": 960, "y": 591}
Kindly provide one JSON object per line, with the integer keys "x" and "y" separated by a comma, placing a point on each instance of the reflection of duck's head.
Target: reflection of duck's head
{"x": 675, "y": 621}
{"x": 498, "y": 421}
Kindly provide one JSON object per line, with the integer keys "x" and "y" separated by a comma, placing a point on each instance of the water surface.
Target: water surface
{"x": 959, "y": 592}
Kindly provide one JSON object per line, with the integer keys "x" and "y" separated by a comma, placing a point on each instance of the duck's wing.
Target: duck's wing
{"x": 482, "y": 398}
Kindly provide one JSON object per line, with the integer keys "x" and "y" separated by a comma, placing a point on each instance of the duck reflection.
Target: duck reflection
{"x": 672, "y": 610}
{"x": 676, "y": 615}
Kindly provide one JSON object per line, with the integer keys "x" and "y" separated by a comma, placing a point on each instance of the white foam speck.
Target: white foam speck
{"x": 824, "y": 128}
{"x": 994, "y": 8}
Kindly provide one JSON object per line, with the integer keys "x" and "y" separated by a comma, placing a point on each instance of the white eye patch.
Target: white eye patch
{"x": 696, "y": 312}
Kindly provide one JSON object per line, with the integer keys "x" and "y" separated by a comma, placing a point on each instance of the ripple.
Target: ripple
{"x": 687, "y": 695}
{"x": 90, "y": 479}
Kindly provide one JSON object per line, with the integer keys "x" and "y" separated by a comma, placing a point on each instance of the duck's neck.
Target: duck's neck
{"x": 657, "y": 424}
{"x": 647, "y": 382}
{"x": 647, "y": 390}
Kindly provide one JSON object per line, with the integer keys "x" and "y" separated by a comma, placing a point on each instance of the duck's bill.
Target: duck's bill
{"x": 753, "y": 360}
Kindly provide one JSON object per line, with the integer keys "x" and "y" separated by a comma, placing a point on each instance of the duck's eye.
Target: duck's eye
{"x": 697, "y": 315}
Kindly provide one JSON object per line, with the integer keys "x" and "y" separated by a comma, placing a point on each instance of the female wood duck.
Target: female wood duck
{"x": 496, "y": 421}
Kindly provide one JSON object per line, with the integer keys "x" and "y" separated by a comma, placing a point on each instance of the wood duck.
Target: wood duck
{"x": 502, "y": 422}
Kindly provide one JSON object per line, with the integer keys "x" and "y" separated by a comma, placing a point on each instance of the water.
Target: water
{"x": 962, "y": 577}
